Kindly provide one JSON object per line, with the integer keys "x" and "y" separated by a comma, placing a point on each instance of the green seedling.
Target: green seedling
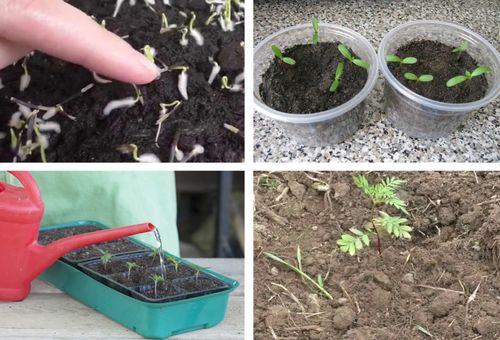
{"x": 424, "y": 78}
{"x": 315, "y": 25}
{"x": 267, "y": 181}
{"x": 356, "y": 61}
{"x": 197, "y": 269}
{"x": 105, "y": 258}
{"x": 131, "y": 266}
{"x": 319, "y": 283}
{"x": 392, "y": 58}
{"x": 277, "y": 52}
{"x": 462, "y": 48}
{"x": 156, "y": 279}
{"x": 174, "y": 260}
{"x": 150, "y": 53}
{"x": 154, "y": 253}
{"x": 338, "y": 73}
{"x": 467, "y": 76}
{"x": 382, "y": 193}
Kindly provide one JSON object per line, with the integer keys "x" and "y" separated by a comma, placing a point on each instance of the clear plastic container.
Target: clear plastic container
{"x": 327, "y": 127}
{"x": 421, "y": 117}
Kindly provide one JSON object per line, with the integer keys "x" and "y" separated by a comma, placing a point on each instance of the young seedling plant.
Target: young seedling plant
{"x": 392, "y": 58}
{"x": 154, "y": 253}
{"x": 319, "y": 283}
{"x": 348, "y": 55}
{"x": 462, "y": 48}
{"x": 381, "y": 193}
{"x": 277, "y": 52}
{"x": 467, "y": 76}
{"x": 105, "y": 258}
{"x": 338, "y": 73}
{"x": 131, "y": 266}
{"x": 315, "y": 25}
{"x": 156, "y": 279}
{"x": 174, "y": 260}
{"x": 424, "y": 78}
{"x": 197, "y": 270}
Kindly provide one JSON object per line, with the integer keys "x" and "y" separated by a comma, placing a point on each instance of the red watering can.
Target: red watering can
{"x": 22, "y": 259}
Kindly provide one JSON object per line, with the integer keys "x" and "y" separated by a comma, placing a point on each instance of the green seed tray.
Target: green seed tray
{"x": 151, "y": 320}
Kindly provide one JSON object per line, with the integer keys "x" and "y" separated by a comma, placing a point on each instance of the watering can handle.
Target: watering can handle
{"x": 29, "y": 185}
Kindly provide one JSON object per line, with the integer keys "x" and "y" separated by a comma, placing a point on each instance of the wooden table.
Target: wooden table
{"x": 50, "y": 314}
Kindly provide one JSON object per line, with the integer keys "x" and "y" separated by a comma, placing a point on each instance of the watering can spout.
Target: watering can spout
{"x": 41, "y": 257}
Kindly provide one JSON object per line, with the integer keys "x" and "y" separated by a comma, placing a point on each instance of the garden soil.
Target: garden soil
{"x": 305, "y": 86}
{"x": 425, "y": 282}
{"x": 438, "y": 60}
{"x": 94, "y": 137}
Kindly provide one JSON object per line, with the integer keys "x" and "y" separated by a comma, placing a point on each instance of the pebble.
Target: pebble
{"x": 343, "y": 318}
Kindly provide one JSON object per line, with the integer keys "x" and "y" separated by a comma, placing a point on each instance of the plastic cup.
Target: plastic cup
{"x": 321, "y": 128}
{"x": 416, "y": 115}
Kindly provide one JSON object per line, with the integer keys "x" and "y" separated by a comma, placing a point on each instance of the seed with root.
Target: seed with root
{"x": 100, "y": 79}
{"x": 182, "y": 84}
{"x": 215, "y": 70}
{"x": 118, "y": 104}
{"x": 197, "y": 150}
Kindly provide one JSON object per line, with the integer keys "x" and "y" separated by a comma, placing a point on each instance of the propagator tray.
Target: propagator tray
{"x": 141, "y": 247}
{"x": 150, "y": 319}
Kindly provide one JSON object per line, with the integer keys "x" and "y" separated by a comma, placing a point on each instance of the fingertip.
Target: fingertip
{"x": 145, "y": 71}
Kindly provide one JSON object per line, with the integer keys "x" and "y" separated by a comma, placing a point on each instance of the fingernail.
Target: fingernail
{"x": 149, "y": 66}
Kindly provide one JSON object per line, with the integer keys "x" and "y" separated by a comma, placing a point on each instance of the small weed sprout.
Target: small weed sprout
{"x": 315, "y": 25}
{"x": 467, "y": 76}
{"x": 319, "y": 283}
{"x": 424, "y": 78}
{"x": 462, "y": 48}
{"x": 105, "y": 258}
{"x": 277, "y": 52}
{"x": 174, "y": 261}
{"x": 156, "y": 279}
{"x": 392, "y": 58}
{"x": 131, "y": 266}
{"x": 382, "y": 193}
{"x": 338, "y": 73}
{"x": 356, "y": 61}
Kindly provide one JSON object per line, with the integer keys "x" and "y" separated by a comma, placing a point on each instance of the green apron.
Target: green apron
{"x": 114, "y": 198}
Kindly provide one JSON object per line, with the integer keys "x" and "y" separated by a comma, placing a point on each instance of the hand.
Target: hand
{"x": 58, "y": 29}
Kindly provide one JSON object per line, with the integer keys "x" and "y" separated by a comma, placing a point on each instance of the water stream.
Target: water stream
{"x": 160, "y": 248}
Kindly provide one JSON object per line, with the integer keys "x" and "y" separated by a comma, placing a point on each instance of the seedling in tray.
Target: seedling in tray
{"x": 424, "y": 78}
{"x": 156, "y": 279}
{"x": 338, "y": 74}
{"x": 277, "y": 52}
{"x": 319, "y": 283}
{"x": 154, "y": 253}
{"x": 174, "y": 261}
{"x": 105, "y": 258}
{"x": 467, "y": 76}
{"x": 131, "y": 266}
{"x": 392, "y": 58}
{"x": 356, "y": 61}
{"x": 315, "y": 25}
{"x": 382, "y": 193}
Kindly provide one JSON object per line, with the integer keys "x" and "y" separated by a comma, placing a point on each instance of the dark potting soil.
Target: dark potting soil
{"x": 163, "y": 290}
{"x": 118, "y": 246}
{"x": 93, "y": 137}
{"x": 305, "y": 86}
{"x": 438, "y": 60}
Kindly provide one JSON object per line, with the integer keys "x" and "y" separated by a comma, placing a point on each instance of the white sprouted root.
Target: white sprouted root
{"x": 100, "y": 79}
{"x": 183, "y": 80}
{"x": 215, "y": 70}
{"x": 197, "y": 150}
{"x": 134, "y": 150}
{"x": 124, "y": 103}
{"x": 231, "y": 128}
{"x": 1, "y": 85}
{"x": 164, "y": 114}
{"x": 198, "y": 38}
{"x": 184, "y": 41}
{"x": 25, "y": 79}
{"x": 165, "y": 27}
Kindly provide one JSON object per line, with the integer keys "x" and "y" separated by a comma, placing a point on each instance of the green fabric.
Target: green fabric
{"x": 112, "y": 198}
